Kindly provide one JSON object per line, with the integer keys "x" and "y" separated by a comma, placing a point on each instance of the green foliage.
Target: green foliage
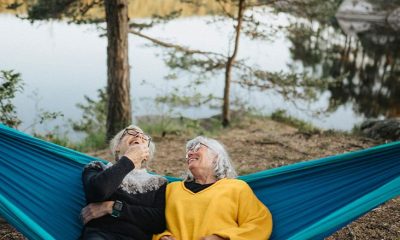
{"x": 41, "y": 115}
{"x": 202, "y": 64}
{"x": 283, "y": 117}
{"x": 46, "y": 9}
{"x": 14, "y": 5}
{"x": 92, "y": 141}
{"x": 93, "y": 118}
{"x": 322, "y": 11}
{"x": 356, "y": 130}
{"x": 75, "y": 11}
{"x": 94, "y": 113}
{"x": 10, "y": 84}
{"x": 92, "y": 125}
{"x": 291, "y": 86}
{"x": 178, "y": 99}
{"x": 56, "y": 136}
{"x": 93, "y": 122}
{"x": 46, "y": 115}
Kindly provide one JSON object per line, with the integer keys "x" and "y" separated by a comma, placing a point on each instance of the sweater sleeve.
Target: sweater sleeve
{"x": 150, "y": 219}
{"x": 100, "y": 184}
{"x": 254, "y": 219}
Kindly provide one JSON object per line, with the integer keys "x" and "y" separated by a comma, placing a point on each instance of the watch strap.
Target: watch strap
{"x": 117, "y": 208}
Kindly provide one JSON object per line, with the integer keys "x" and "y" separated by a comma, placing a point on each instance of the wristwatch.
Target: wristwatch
{"x": 117, "y": 208}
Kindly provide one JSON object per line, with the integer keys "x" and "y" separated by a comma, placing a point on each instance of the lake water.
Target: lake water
{"x": 60, "y": 63}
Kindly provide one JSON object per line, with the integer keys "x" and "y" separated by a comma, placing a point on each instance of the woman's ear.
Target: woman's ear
{"x": 214, "y": 158}
{"x": 117, "y": 151}
{"x": 118, "y": 147}
{"x": 116, "y": 156}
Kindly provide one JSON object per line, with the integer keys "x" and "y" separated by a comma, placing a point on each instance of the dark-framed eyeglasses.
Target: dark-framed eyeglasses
{"x": 135, "y": 133}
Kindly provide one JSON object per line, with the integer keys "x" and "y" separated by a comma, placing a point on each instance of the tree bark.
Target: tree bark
{"x": 119, "y": 114}
{"x": 228, "y": 70}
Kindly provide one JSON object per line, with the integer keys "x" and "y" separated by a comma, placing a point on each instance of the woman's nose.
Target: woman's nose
{"x": 189, "y": 153}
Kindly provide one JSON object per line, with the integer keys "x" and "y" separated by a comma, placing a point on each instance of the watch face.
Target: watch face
{"x": 117, "y": 205}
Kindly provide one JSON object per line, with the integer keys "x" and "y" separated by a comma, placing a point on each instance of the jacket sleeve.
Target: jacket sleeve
{"x": 165, "y": 233}
{"x": 150, "y": 219}
{"x": 100, "y": 184}
{"x": 254, "y": 219}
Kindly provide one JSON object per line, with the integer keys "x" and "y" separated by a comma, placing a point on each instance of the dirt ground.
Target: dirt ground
{"x": 263, "y": 144}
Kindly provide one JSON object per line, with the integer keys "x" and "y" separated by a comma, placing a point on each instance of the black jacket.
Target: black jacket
{"x": 142, "y": 215}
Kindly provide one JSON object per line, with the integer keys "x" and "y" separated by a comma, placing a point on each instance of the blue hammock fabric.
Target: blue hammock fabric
{"x": 41, "y": 192}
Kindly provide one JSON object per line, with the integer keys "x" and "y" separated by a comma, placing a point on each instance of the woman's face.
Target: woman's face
{"x": 200, "y": 157}
{"x": 131, "y": 137}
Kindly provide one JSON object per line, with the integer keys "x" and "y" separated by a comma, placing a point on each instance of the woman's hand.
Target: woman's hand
{"x": 212, "y": 237}
{"x": 96, "y": 210}
{"x": 137, "y": 153}
{"x": 169, "y": 237}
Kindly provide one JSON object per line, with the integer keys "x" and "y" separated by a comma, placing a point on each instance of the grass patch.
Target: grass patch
{"x": 282, "y": 117}
{"x": 161, "y": 126}
{"x": 56, "y": 138}
{"x": 93, "y": 141}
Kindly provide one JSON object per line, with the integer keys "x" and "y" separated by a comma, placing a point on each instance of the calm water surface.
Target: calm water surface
{"x": 60, "y": 63}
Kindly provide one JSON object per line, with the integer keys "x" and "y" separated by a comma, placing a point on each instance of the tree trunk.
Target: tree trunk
{"x": 228, "y": 70}
{"x": 119, "y": 114}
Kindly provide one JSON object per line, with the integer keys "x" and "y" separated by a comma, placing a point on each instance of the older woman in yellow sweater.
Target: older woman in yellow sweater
{"x": 210, "y": 204}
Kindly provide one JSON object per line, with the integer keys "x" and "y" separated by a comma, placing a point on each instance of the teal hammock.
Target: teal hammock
{"x": 41, "y": 192}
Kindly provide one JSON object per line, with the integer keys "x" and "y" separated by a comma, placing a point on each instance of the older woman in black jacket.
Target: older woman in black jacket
{"x": 124, "y": 201}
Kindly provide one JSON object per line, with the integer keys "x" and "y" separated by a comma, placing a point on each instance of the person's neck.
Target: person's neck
{"x": 204, "y": 179}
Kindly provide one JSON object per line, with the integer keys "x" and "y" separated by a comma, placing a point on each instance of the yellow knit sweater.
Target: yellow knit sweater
{"x": 228, "y": 208}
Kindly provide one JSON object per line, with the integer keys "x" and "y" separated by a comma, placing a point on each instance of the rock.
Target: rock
{"x": 356, "y": 6}
{"x": 394, "y": 19}
{"x": 388, "y": 129}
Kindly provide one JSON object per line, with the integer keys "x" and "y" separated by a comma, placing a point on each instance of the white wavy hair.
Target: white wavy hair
{"x": 223, "y": 167}
{"x": 117, "y": 139}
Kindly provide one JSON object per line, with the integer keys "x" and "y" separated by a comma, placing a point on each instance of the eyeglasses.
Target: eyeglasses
{"x": 195, "y": 147}
{"x": 135, "y": 133}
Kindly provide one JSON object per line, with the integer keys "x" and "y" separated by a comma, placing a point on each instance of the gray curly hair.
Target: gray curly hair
{"x": 223, "y": 167}
{"x": 115, "y": 141}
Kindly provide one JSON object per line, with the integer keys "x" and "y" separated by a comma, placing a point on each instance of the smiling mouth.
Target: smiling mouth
{"x": 191, "y": 160}
{"x": 133, "y": 142}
